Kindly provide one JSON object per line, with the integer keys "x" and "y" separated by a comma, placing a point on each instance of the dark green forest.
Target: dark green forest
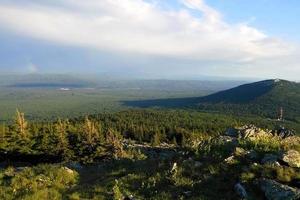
{"x": 85, "y": 139}
{"x": 263, "y": 98}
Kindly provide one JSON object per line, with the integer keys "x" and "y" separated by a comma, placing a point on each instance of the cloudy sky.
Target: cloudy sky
{"x": 152, "y": 38}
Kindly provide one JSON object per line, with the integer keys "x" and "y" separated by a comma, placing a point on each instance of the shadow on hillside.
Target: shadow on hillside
{"x": 243, "y": 94}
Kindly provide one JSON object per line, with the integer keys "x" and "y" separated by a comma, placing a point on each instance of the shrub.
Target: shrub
{"x": 40, "y": 182}
{"x": 214, "y": 148}
{"x": 247, "y": 176}
{"x": 262, "y": 144}
{"x": 286, "y": 174}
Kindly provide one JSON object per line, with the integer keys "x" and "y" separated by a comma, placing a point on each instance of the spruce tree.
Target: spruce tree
{"x": 21, "y": 125}
{"x": 156, "y": 139}
{"x": 20, "y": 136}
{"x": 90, "y": 132}
{"x": 114, "y": 141}
{"x": 62, "y": 138}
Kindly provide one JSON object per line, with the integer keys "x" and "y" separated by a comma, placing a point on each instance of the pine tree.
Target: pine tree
{"x": 90, "y": 131}
{"x": 156, "y": 139}
{"x": 114, "y": 140}
{"x": 19, "y": 135}
{"x": 21, "y": 125}
{"x": 62, "y": 137}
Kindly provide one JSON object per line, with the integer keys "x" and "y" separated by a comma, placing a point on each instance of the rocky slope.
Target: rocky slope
{"x": 274, "y": 153}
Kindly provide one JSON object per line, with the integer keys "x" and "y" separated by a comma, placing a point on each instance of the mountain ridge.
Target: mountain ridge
{"x": 263, "y": 98}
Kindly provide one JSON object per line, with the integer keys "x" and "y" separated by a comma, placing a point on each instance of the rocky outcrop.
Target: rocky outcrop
{"x": 252, "y": 132}
{"x": 247, "y": 132}
{"x": 276, "y": 191}
{"x": 285, "y": 133}
{"x": 292, "y": 158}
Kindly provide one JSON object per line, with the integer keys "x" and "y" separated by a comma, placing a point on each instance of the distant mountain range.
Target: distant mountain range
{"x": 265, "y": 98}
{"x": 43, "y": 81}
{"x": 77, "y": 81}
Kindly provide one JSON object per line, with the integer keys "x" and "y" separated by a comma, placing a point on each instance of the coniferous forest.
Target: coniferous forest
{"x": 146, "y": 154}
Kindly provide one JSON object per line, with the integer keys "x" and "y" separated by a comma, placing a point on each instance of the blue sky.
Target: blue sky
{"x": 151, "y": 38}
{"x": 276, "y": 17}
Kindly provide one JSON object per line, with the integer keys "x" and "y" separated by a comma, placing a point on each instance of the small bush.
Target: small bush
{"x": 40, "y": 182}
{"x": 262, "y": 144}
{"x": 247, "y": 176}
{"x": 286, "y": 174}
{"x": 117, "y": 192}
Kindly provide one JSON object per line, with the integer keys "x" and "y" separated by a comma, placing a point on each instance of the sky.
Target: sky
{"x": 174, "y": 39}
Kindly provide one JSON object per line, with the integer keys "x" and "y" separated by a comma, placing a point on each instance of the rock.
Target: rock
{"x": 68, "y": 170}
{"x": 240, "y": 190}
{"x": 174, "y": 168}
{"x": 18, "y": 169}
{"x": 252, "y": 132}
{"x": 226, "y": 138}
{"x": 276, "y": 164}
{"x": 270, "y": 159}
{"x": 230, "y": 160}
{"x": 240, "y": 151}
{"x": 276, "y": 191}
{"x": 284, "y": 133}
{"x": 232, "y": 132}
{"x": 292, "y": 158}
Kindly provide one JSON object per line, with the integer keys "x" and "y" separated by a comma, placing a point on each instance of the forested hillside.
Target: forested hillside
{"x": 264, "y": 98}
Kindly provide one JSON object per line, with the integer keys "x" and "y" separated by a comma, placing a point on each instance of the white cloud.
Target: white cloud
{"x": 141, "y": 27}
{"x": 137, "y": 26}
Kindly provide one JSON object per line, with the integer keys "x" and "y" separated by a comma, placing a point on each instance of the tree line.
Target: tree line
{"x": 91, "y": 138}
